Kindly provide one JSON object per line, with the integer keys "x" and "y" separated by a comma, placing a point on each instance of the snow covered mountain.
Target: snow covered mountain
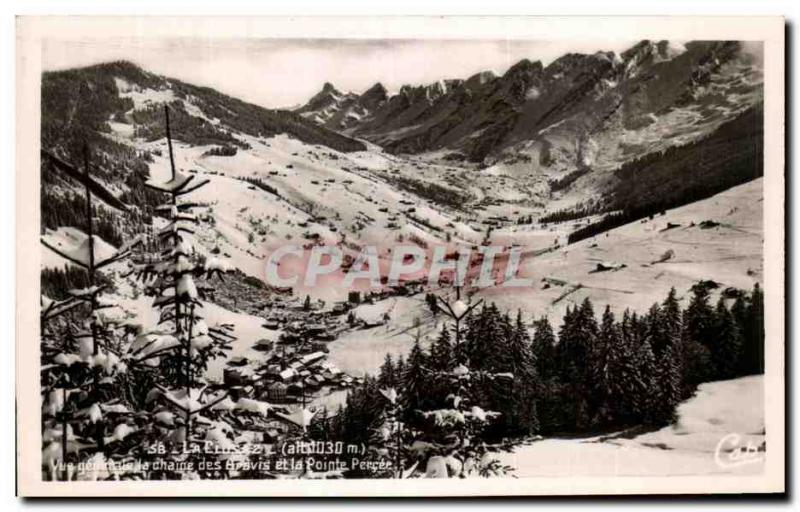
{"x": 583, "y": 145}
{"x": 651, "y": 96}
{"x": 613, "y": 180}
{"x": 584, "y": 132}
{"x": 276, "y": 177}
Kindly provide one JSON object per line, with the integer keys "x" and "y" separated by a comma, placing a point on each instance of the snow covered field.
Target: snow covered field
{"x": 730, "y": 254}
{"x": 363, "y": 351}
{"x": 689, "y": 447}
{"x": 356, "y": 199}
{"x": 348, "y": 197}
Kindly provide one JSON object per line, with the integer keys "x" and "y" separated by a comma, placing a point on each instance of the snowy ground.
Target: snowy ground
{"x": 356, "y": 199}
{"x": 351, "y": 193}
{"x": 363, "y": 350}
{"x": 730, "y": 254}
{"x": 719, "y": 409}
{"x": 335, "y": 196}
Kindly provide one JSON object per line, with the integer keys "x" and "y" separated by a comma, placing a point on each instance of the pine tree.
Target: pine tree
{"x": 433, "y": 303}
{"x": 698, "y": 319}
{"x": 185, "y": 345}
{"x": 656, "y": 330}
{"x": 672, "y": 312}
{"x": 386, "y": 373}
{"x": 415, "y": 382}
{"x": 442, "y": 358}
{"x": 525, "y": 384}
{"x": 606, "y": 348}
{"x": 399, "y": 370}
{"x": 696, "y": 365}
{"x": 449, "y": 434}
{"x": 388, "y": 442}
{"x": 549, "y": 402}
{"x": 668, "y": 381}
{"x": 81, "y": 363}
{"x": 543, "y": 348}
{"x": 645, "y": 391}
{"x": 578, "y": 334}
{"x": 480, "y": 336}
{"x": 752, "y": 329}
{"x": 622, "y": 380}
{"x": 726, "y": 343}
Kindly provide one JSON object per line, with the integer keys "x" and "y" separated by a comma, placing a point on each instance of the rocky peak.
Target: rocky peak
{"x": 373, "y": 96}
{"x": 377, "y": 88}
{"x": 524, "y": 67}
{"x": 478, "y": 80}
{"x": 485, "y": 113}
{"x": 327, "y": 97}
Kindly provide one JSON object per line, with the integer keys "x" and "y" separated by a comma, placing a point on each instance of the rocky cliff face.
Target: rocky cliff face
{"x": 654, "y": 95}
{"x": 336, "y": 110}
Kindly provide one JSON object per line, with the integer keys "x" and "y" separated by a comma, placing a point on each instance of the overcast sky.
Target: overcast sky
{"x": 286, "y": 72}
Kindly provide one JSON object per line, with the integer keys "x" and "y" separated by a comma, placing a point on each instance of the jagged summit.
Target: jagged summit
{"x": 376, "y": 88}
{"x": 480, "y": 78}
{"x": 525, "y": 66}
{"x": 485, "y": 115}
{"x": 373, "y": 97}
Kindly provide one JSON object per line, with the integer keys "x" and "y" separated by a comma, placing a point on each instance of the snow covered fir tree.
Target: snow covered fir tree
{"x": 117, "y": 396}
{"x": 592, "y": 377}
{"x": 176, "y": 345}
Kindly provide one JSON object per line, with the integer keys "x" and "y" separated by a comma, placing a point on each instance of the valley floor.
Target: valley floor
{"x": 633, "y": 266}
{"x": 730, "y": 254}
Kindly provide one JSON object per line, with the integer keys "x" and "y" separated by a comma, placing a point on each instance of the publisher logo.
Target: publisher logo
{"x": 732, "y": 452}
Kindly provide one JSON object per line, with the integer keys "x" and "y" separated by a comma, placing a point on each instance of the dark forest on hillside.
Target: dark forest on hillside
{"x": 730, "y": 156}
{"x": 590, "y": 376}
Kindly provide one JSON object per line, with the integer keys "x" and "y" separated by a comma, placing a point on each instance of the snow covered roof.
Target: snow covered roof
{"x": 314, "y": 356}
{"x": 300, "y": 417}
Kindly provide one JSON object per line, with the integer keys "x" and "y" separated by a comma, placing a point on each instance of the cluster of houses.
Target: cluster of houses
{"x": 287, "y": 379}
{"x": 294, "y": 367}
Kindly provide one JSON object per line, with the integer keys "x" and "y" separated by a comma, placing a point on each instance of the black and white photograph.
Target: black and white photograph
{"x": 390, "y": 259}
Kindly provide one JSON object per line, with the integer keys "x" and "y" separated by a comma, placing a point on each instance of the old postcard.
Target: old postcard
{"x": 400, "y": 256}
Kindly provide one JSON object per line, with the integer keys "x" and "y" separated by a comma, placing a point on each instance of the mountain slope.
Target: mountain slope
{"x": 563, "y": 114}
{"x": 116, "y": 110}
{"x": 269, "y": 189}
{"x": 629, "y": 267}
{"x": 120, "y": 92}
{"x": 266, "y": 188}
{"x": 686, "y": 448}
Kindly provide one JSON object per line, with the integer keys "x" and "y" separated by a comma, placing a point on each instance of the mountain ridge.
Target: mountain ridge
{"x": 480, "y": 117}
{"x": 555, "y": 141}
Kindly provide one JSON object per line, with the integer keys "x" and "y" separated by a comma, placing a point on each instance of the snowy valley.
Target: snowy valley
{"x": 651, "y": 157}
